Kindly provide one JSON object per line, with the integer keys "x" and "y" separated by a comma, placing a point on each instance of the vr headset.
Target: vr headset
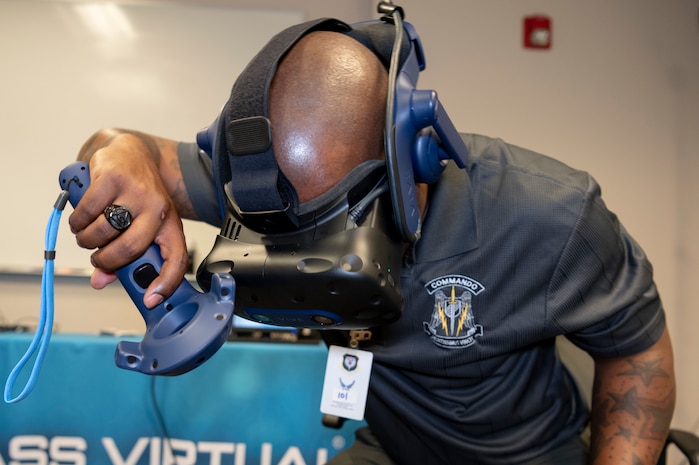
{"x": 333, "y": 262}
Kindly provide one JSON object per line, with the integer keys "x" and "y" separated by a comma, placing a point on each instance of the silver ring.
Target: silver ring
{"x": 118, "y": 216}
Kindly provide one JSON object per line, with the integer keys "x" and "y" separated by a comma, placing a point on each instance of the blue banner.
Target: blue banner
{"x": 251, "y": 403}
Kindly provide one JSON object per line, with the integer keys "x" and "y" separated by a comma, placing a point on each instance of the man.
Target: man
{"x": 524, "y": 243}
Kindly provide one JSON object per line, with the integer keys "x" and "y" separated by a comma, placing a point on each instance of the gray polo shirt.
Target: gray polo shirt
{"x": 516, "y": 249}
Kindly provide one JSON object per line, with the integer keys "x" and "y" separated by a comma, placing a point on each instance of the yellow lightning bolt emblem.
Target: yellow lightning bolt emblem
{"x": 463, "y": 310}
{"x": 442, "y": 318}
{"x": 464, "y": 314}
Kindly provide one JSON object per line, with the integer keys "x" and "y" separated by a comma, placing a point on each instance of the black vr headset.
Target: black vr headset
{"x": 333, "y": 262}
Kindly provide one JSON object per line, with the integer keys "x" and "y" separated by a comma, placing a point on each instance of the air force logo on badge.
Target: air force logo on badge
{"x": 452, "y": 324}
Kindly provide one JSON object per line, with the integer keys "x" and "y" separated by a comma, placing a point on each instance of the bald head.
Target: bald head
{"x": 327, "y": 104}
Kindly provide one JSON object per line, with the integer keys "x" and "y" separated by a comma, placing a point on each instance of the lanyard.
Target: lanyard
{"x": 42, "y": 336}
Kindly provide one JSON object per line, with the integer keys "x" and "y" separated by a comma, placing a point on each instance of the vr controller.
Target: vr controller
{"x": 184, "y": 330}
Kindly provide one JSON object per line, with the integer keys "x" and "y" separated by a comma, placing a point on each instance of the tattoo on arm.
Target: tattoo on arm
{"x": 635, "y": 406}
{"x": 645, "y": 370}
{"x": 654, "y": 413}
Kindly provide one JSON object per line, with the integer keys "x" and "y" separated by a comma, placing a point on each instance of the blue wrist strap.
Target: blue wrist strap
{"x": 42, "y": 336}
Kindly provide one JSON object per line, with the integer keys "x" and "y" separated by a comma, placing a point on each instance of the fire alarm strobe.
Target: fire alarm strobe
{"x": 537, "y": 32}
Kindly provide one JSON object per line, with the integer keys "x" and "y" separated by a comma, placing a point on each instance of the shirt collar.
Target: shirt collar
{"x": 450, "y": 227}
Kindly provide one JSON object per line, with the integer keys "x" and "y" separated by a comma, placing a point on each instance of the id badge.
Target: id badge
{"x": 346, "y": 383}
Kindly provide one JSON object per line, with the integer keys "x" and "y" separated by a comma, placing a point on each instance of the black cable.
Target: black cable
{"x": 159, "y": 417}
{"x": 357, "y": 212}
{"x": 394, "y": 14}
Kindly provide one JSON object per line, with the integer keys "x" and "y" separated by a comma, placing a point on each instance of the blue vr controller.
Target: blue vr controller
{"x": 183, "y": 331}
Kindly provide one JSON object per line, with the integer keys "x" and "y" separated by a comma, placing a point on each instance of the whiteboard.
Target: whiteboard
{"x": 70, "y": 68}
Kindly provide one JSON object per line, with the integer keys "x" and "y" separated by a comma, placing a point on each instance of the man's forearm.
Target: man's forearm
{"x": 632, "y": 406}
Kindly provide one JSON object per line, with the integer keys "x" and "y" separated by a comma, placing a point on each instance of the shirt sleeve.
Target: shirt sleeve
{"x": 197, "y": 173}
{"x": 602, "y": 295}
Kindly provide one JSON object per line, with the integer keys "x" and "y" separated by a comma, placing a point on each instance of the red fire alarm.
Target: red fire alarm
{"x": 537, "y": 32}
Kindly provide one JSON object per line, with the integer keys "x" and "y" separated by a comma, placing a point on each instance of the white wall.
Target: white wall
{"x": 617, "y": 95}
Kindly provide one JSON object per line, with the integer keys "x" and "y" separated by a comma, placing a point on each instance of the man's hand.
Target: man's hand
{"x": 140, "y": 173}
